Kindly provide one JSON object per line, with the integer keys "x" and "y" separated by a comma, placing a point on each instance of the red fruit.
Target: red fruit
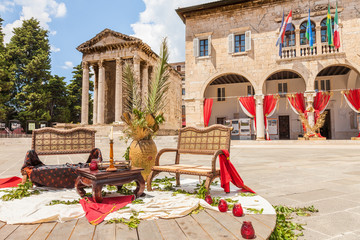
{"x": 208, "y": 199}
{"x": 223, "y": 207}
{"x": 237, "y": 210}
{"x": 93, "y": 165}
{"x": 247, "y": 230}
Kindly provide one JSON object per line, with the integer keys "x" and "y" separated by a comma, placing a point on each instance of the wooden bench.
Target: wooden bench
{"x": 51, "y": 141}
{"x": 206, "y": 141}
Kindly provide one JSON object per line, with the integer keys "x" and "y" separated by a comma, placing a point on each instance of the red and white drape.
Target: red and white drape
{"x": 247, "y": 104}
{"x": 352, "y": 98}
{"x": 321, "y": 101}
{"x": 297, "y": 104}
{"x": 269, "y": 107}
{"x": 208, "y": 102}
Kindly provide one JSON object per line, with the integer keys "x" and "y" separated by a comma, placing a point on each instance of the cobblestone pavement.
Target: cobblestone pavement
{"x": 326, "y": 175}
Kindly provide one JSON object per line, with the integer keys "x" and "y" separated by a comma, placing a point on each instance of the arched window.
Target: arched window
{"x": 324, "y": 29}
{"x": 289, "y": 39}
{"x": 303, "y": 39}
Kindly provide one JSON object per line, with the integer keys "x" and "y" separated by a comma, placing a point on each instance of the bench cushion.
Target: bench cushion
{"x": 198, "y": 170}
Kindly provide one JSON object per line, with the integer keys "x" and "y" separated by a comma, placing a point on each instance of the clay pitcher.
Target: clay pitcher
{"x": 142, "y": 154}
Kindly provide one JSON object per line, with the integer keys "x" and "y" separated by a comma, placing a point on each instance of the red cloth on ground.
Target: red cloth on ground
{"x": 229, "y": 174}
{"x": 9, "y": 182}
{"x": 96, "y": 212}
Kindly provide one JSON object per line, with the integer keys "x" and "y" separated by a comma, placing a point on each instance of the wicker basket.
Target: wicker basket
{"x": 142, "y": 154}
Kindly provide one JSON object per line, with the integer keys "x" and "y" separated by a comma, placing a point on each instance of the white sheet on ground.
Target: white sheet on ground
{"x": 35, "y": 209}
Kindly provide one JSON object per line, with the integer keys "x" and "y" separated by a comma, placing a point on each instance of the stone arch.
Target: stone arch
{"x": 224, "y": 73}
{"x": 272, "y": 72}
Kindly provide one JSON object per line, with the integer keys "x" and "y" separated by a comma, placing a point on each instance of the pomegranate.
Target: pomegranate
{"x": 237, "y": 210}
{"x": 223, "y": 207}
{"x": 208, "y": 199}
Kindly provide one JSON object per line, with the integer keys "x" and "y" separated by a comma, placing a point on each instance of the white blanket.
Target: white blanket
{"x": 35, "y": 209}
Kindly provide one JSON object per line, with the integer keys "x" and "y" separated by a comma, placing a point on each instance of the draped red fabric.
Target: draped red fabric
{"x": 269, "y": 106}
{"x": 297, "y": 102}
{"x": 321, "y": 100}
{"x": 229, "y": 174}
{"x": 353, "y": 97}
{"x": 208, "y": 102}
{"x": 248, "y": 103}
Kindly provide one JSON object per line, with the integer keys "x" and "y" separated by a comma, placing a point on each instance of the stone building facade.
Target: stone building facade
{"x": 180, "y": 68}
{"x": 107, "y": 53}
{"x": 231, "y": 45}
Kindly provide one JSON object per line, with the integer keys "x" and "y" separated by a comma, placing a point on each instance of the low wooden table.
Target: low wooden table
{"x": 97, "y": 179}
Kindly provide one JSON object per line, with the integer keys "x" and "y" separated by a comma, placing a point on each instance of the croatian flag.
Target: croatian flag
{"x": 287, "y": 26}
{"x": 280, "y": 45}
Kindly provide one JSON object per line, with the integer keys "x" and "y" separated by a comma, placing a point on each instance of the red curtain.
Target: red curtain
{"x": 208, "y": 102}
{"x": 269, "y": 106}
{"x": 352, "y": 97}
{"x": 321, "y": 101}
{"x": 248, "y": 106}
{"x": 297, "y": 103}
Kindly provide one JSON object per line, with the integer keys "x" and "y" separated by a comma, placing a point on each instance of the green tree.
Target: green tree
{"x": 75, "y": 93}
{"x": 58, "y": 104}
{"x": 29, "y": 55}
{"x": 5, "y": 79}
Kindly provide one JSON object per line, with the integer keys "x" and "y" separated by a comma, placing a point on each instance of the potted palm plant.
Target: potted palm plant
{"x": 143, "y": 118}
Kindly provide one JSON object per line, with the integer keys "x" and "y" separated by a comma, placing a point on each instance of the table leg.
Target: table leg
{"x": 97, "y": 192}
{"x": 79, "y": 186}
{"x": 140, "y": 185}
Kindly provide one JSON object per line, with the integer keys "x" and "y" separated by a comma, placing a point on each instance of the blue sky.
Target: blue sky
{"x": 72, "y": 22}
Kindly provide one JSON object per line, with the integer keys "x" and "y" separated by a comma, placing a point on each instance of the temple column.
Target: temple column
{"x": 145, "y": 83}
{"x": 118, "y": 90}
{"x": 101, "y": 94}
{"x": 309, "y": 98}
{"x": 137, "y": 72}
{"x": 96, "y": 84}
{"x": 85, "y": 94}
{"x": 260, "y": 126}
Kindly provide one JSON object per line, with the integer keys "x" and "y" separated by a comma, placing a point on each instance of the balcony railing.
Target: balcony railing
{"x": 306, "y": 51}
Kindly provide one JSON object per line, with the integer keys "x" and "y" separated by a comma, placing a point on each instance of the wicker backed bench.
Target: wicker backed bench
{"x": 206, "y": 141}
{"x": 51, "y": 141}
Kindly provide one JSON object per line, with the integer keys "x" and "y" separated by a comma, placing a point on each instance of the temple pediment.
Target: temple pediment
{"x": 107, "y": 38}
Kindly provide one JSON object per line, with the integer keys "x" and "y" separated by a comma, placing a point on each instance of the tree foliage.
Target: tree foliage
{"x": 5, "y": 78}
{"x": 29, "y": 55}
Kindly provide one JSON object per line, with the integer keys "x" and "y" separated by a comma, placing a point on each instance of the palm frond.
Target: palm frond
{"x": 132, "y": 98}
{"x": 159, "y": 84}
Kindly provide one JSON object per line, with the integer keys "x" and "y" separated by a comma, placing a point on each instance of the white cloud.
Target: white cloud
{"x": 68, "y": 65}
{"x": 42, "y": 10}
{"x": 54, "y": 49}
{"x": 160, "y": 20}
{"x": 6, "y": 6}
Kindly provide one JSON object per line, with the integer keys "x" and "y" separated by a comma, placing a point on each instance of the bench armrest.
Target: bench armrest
{"x": 157, "y": 158}
{"x": 215, "y": 156}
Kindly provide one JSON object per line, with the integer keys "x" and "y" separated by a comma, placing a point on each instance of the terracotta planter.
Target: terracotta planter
{"x": 142, "y": 154}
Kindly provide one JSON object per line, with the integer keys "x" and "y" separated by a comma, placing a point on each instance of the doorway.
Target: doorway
{"x": 284, "y": 127}
{"x": 325, "y": 130}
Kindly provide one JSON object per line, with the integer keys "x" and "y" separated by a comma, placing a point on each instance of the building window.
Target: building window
{"x": 250, "y": 90}
{"x": 324, "y": 29}
{"x": 303, "y": 39}
{"x": 183, "y": 116}
{"x": 324, "y": 85}
{"x": 240, "y": 43}
{"x": 183, "y": 91}
{"x": 220, "y": 120}
{"x": 221, "y": 94}
{"x": 178, "y": 68}
{"x": 289, "y": 39}
{"x": 204, "y": 48}
{"x": 282, "y": 89}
